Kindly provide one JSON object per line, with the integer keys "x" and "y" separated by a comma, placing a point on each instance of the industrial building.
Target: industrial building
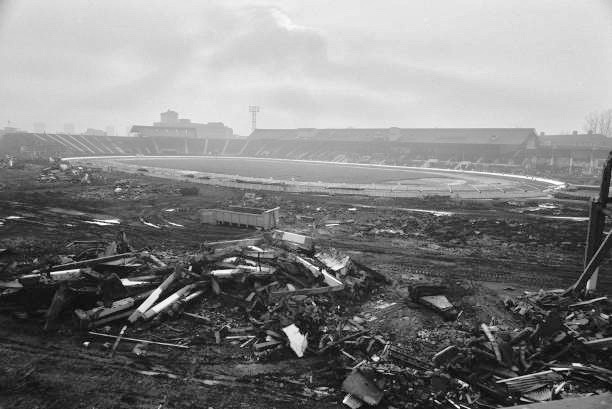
{"x": 242, "y": 217}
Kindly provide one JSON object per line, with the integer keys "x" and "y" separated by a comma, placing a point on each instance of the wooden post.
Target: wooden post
{"x": 597, "y": 220}
{"x": 594, "y": 238}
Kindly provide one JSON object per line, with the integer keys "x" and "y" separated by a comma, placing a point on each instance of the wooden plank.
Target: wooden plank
{"x": 151, "y": 299}
{"x": 91, "y": 262}
{"x": 599, "y": 343}
{"x": 308, "y": 291}
{"x": 598, "y": 257}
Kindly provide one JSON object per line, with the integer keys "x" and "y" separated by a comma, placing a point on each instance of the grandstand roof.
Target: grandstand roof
{"x": 575, "y": 141}
{"x": 496, "y": 136}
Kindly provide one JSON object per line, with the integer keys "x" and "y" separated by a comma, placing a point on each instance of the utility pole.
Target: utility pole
{"x": 253, "y": 109}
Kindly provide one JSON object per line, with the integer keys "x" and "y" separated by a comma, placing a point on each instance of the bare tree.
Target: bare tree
{"x": 599, "y": 122}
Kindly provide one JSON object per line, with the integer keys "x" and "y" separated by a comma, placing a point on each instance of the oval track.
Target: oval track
{"x": 332, "y": 177}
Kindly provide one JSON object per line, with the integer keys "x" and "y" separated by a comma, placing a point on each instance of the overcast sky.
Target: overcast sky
{"x": 307, "y": 63}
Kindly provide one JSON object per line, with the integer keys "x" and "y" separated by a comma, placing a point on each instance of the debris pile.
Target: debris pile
{"x": 276, "y": 296}
{"x": 562, "y": 352}
{"x": 61, "y": 171}
{"x": 285, "y": 293}
{"x": 558, "y": 354}
{"x": 134, "y": 189}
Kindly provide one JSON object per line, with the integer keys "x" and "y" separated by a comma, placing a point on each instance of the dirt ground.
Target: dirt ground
{"x": 483, "y": 251}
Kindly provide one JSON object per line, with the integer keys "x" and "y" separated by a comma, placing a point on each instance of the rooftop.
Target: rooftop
{"x": 498, "y": 136}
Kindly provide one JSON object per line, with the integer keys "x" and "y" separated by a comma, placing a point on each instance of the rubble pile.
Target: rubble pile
{"x": 561, "y": 352}
{"x": 134, "y": 189}
{"x": 285, "y": 299}
{"x": 558, "y": 354}
{"x": 286, "y": 294}
{"x": 60, "y": 171}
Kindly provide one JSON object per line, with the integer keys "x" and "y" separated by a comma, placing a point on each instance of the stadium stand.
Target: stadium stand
{"x": 505, "y": 149}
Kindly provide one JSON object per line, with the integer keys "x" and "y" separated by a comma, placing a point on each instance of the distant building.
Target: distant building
{"x": 94, "y": 132}
{"x": 39, "y": 127}
{"x": 7, "y": 130}
{"x": 168, "y": 117}
{"x": 171, "y": 125}
{"x": 574, "y": 152}
{"x": 69, "y": 128}
{"x": 110, "y": 130}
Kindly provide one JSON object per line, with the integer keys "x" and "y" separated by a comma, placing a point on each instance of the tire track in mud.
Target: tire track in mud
{"x": 485, "y": 268}
{"x": 58, "y": 361}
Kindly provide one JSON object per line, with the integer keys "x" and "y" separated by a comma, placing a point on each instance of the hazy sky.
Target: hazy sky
{"x": 333, "y": 63}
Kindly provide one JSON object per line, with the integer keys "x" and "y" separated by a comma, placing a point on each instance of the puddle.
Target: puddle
{"x": 109, "y": 221}
{"x": 98, "y": 223}
{"x": 434, "y": 212}
{"x": 569, "y": 218}
{"x": 405, "y": 209}
{"x": 66, "y": 211}
{"x": 146, "y": 223}
{"x": 103, "y": 222}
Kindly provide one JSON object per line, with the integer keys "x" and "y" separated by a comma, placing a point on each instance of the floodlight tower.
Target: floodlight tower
{"x": 253, "y": 109}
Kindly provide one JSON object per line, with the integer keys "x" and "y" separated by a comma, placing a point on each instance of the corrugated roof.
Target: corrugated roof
{"x": 496, "y": 136}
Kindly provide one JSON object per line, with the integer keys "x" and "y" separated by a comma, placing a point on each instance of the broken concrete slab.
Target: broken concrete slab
{"x": 440, "y": 304}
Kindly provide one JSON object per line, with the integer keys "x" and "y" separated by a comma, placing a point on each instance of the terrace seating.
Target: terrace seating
{"x": 234, "y": 147}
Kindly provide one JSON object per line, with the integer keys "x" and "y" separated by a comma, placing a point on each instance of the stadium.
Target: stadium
{"x": 398, "y": 162}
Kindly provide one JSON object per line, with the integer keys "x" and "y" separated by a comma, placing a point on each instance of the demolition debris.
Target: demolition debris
{"x": 288, "y": 297}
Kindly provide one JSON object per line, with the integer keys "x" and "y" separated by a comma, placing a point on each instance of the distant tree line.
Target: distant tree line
{"x": 599, "y": 122}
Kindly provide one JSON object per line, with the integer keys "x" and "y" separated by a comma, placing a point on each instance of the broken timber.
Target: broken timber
{"x": 148, "y": 303}
{"x": 90, "y": 262}
{"x": 143, "y": 341}
{"x": 86, "y": 318}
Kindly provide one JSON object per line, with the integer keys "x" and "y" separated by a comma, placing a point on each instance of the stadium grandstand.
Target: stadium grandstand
{"x": 508, "y": 149}
{"x": 397, "y": 145}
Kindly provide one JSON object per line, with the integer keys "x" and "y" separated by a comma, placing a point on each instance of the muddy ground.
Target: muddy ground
{"x": 483, "y": 250}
